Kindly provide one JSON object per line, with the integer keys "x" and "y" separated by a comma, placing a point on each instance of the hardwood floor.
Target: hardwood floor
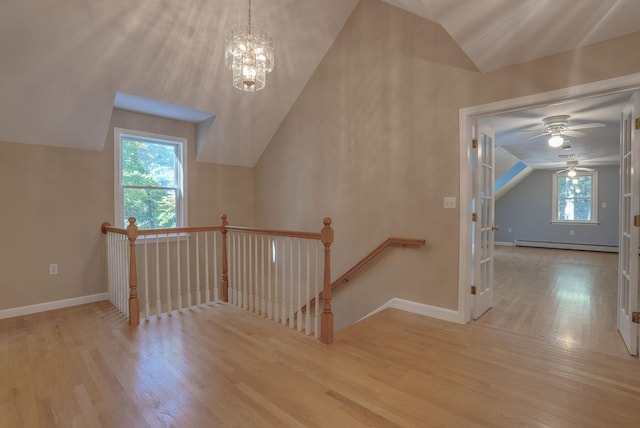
{"x": 566, "y": 297}
{"x": 219, "y": 366}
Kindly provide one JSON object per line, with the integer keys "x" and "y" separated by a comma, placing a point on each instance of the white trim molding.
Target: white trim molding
{"x": 417, "y": 308}
{"x": 49, "y": 306}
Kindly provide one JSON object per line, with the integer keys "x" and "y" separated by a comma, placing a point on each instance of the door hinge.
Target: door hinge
{"x": 636, "y": 220}
{"x": 635, "y": 317}
{"x": 473, "y": 290}
{"x": 474, "y": 217}
{"x": 637, "y": 123}
{"x": 474, "y": 143}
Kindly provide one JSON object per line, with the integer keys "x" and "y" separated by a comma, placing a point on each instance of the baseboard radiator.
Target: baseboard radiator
{"x": 567, "y": 246}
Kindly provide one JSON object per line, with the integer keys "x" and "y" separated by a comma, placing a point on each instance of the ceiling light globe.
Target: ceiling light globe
{"x": 556, "y": 141}
{"x": 572, "y": 173}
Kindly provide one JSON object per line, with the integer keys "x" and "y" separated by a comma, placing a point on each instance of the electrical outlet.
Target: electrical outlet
{"x": 604, "y": 205}
{"x": 53, "y": 269}
{"x": 510, "y": 230}
{"x": 450, "y": 202}
{"x": 571, "y": 232}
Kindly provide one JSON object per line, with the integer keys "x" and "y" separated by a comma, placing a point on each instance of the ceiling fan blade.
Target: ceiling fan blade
{"x": 533, "y": 130}
{"x": 587, "y": 126}
{"x": 581, "y": 168}
{"x": 562, "y": 170}
{"x": 536, "y": 136}
{"x": 573, "y": 133}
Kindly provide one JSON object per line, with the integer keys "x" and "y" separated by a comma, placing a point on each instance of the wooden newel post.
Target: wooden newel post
{"x": 326, "y": 320}
{"x": 225, "y": 276}
{"x": 134, "y": 303}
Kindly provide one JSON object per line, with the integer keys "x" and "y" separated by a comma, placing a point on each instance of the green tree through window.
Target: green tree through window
{"x": 575, "y": 198}
{"x": 151, "y": 177}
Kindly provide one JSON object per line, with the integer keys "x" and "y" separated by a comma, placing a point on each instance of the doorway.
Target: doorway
{"x": 467, "y": 115}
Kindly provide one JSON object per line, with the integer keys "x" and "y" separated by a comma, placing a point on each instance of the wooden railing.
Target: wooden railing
{"x": 346, "y": 277}
{"x": 252, "y": 269}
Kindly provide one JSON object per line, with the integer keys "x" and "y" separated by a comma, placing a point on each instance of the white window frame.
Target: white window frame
{"x": 594, "y": 198}
{"x": 181, "y": 194}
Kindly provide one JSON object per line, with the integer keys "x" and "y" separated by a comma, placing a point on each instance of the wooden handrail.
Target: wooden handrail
{"x": 347, "y": 275}
{"x": 391, "y": 241}
{"x": 287, "y": 233}
{"x": 106, "y": 227}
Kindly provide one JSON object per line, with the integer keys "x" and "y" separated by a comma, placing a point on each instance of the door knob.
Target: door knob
{"x": 494, "y": 228}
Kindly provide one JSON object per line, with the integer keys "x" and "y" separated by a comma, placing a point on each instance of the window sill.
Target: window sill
{"x": 571, "y": 222}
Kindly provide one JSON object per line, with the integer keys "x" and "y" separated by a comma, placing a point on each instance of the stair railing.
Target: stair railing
{"x": 268, "y": 272}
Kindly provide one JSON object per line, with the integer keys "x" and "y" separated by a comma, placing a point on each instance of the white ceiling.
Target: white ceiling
{"x": 63, "y": 62}
{"x": 516, "y": 132}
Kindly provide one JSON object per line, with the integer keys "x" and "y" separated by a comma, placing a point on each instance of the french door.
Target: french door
{"x": 629, "y": 233}
{"x": 483, "y": 221}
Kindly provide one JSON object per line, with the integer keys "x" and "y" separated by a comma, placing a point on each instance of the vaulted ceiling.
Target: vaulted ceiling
{"x": 63, "y": 62}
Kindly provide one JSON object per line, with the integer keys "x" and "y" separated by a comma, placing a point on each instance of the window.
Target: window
{"x": 149, "y": 179}
{"x": 575, "y": 199}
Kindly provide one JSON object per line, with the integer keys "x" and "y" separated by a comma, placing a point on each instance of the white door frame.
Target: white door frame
{"x": 467, "y": 115}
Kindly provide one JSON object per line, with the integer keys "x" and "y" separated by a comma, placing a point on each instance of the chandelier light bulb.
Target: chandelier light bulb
{"x": 572, "y": 173}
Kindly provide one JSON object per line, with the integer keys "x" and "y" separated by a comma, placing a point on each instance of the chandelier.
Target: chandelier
{"x": 249, "y": 55}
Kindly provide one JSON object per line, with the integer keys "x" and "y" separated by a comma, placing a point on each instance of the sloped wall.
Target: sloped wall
{"x": 371, "y": 143}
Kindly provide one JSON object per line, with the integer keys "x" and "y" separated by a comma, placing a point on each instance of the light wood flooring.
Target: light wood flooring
{"x": 220, "y": 366}
{"x": 563, "y": 296}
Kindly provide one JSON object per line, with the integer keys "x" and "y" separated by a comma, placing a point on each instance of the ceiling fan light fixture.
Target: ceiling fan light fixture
{"x": 572, "y": 172}
{"x": 556, "y": 140}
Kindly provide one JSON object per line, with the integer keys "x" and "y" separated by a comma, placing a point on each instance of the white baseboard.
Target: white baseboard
{"x": 564, "y": 246}
{"x": 418, "y": 308}
{"x": 505, "y": 243}
{"x": 49, "y": 306}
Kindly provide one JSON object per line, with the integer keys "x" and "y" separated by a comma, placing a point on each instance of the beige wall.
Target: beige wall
{"x": 372, "y": 141}
{"x": 56, "y": 199}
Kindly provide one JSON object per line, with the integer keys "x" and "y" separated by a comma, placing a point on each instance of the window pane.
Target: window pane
{"x": 148, "y": 164}
{"x": 565, "y": 209}
{"x": 152, "y": 208}
{"x": 582, "y": 209}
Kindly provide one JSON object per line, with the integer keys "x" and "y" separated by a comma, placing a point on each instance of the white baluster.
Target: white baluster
{"x": 216, "y": 295}
{"x": 169, "y": 308}
{"x": 263, "y": 306}
{"x": 256, "y": 295}
{"x": 198, "y": 289}
{"x": 269, "y": 263}
{"x": 146, "y": 279}
{"x": 236, "y": 263}
{"x": 188, "y": 246}
{"x": 284, "y": 281}
{"x": 207, "y": 293}
{"x": 276, "y": 307}
{"x": 316, "y": 293}
{"x": 251, "y": 278}
{"x": 179, "y": 273}
{"x": 291, "y": 312}
{"x": 299, "y": 288}
{"x": 307, "y": 298}
{"x": 158, "y": 296}
{"x": 245, "y": 273}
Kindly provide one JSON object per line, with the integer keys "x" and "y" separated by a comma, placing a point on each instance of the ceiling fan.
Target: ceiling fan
{"x": 558, "y": 126}
{"x": 572, "y": 168}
